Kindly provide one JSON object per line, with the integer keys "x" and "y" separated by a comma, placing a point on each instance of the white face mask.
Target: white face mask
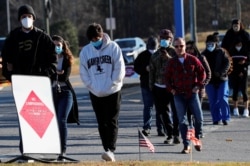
{"x": 152, "y": 51}
{"x": 238, "y": 48}
{"x": 27, "y": 22}
{"x": 236, "y": 28}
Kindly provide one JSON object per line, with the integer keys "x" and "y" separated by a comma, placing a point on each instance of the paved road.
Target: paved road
{"x": 221, "y": 143}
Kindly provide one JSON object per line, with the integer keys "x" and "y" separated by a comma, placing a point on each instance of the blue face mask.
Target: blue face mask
{"x": 97, "y": 44}
{"x": 164, "y": 43}
{"x": 210, "y": 46}
{"x": 58, "y": 49}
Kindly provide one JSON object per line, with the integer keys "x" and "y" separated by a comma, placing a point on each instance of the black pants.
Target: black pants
{"x": 162, "y": 99}
{"x": 239, "y": 84}
{"x": 107, "y": 112}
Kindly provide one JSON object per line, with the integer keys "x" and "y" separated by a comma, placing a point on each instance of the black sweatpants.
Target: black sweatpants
{"x": 107, "y": 113}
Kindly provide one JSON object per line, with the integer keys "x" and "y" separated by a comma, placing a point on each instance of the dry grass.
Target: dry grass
{"x": 75, "y": 68}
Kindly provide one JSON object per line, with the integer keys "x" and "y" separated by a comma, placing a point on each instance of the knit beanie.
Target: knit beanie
{"x": 25, "y": 9}
{"x": 166, "y": 33}
{"x": 212, "y": 38}
{"x": 235, "y": 21}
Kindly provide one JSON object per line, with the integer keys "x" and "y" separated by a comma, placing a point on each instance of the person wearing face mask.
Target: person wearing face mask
{"x": 217, "y": 89}
{"x": 63, "y": 93}
{"x": 102, "y": 70}
{"x": 163, "y": 100}
{"x": 240, "y": 55}
{"x": 237, "y": 30}
{"x": 141, "y": 66}
{"x": 28, "y": 50}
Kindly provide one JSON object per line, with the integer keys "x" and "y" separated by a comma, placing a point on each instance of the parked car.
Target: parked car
{"x": 131, "y": 48}
{"x": 2, "y": 39}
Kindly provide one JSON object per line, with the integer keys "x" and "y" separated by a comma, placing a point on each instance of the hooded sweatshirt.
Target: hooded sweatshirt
{"x": 102, "y": 70}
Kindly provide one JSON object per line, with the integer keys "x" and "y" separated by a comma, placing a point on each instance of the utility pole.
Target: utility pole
{"x": 238, "y": 7}
{"x": 47, "y": 14}
{"x": 193, "y": 25}
{"x": 110, "y": 20}
{"x": 8, "y": 14}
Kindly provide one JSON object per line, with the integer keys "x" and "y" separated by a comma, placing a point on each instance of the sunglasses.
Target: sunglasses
{"x": 179, "y": 46}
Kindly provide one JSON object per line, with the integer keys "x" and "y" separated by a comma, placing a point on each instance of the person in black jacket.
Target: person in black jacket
{"x": 192, "y": 49}
{"x": 28, "y": 50}
{"x": 64, "y": 95}
{"x": 141, "y": 66}
{"x": 217, "y": 89}
{"x": 239, "y": 76}
{"x": 237, "y": 30}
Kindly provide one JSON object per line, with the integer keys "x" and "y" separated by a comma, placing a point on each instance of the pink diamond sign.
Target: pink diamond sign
{"x": 36, "y": 114}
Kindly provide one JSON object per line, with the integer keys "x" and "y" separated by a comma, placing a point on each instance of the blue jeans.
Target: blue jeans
{"x": 183, "y": 103}
{"x": 218, "y": 101}
{"x": 148, "y": 103}
{"x": 63, "y": 104}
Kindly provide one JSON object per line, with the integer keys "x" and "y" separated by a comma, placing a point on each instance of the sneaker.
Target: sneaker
{"x": 215, "y": 122}
{"x": 160, "y": 133}
{"x": 225, "y": 122}
{"x": 176, "y": 140}
{"x": 169, "y": 140}
{"x": 236, "y": 112}
{"x": 108, "y": 156}
{"x": 246, "y": 113}
{"x": 186, "y": 150}
{"x": 146, "y": 132}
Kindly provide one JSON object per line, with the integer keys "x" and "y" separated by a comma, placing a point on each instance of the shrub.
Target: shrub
{"x": 68, "y": 31}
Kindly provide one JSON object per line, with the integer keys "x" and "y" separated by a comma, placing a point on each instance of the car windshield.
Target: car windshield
{"x": 126, "y": 43}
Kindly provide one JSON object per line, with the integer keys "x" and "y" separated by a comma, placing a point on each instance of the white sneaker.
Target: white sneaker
{"x": 236, "y": 112}
{"x": 108, "y": 156}
{"x": 246, "y": 113}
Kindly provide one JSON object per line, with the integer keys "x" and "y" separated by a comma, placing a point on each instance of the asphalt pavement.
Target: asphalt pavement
{"x": 221, "y": 143}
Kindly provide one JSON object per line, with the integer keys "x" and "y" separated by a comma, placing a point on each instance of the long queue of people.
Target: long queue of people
{"x": 175, "y": 77}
